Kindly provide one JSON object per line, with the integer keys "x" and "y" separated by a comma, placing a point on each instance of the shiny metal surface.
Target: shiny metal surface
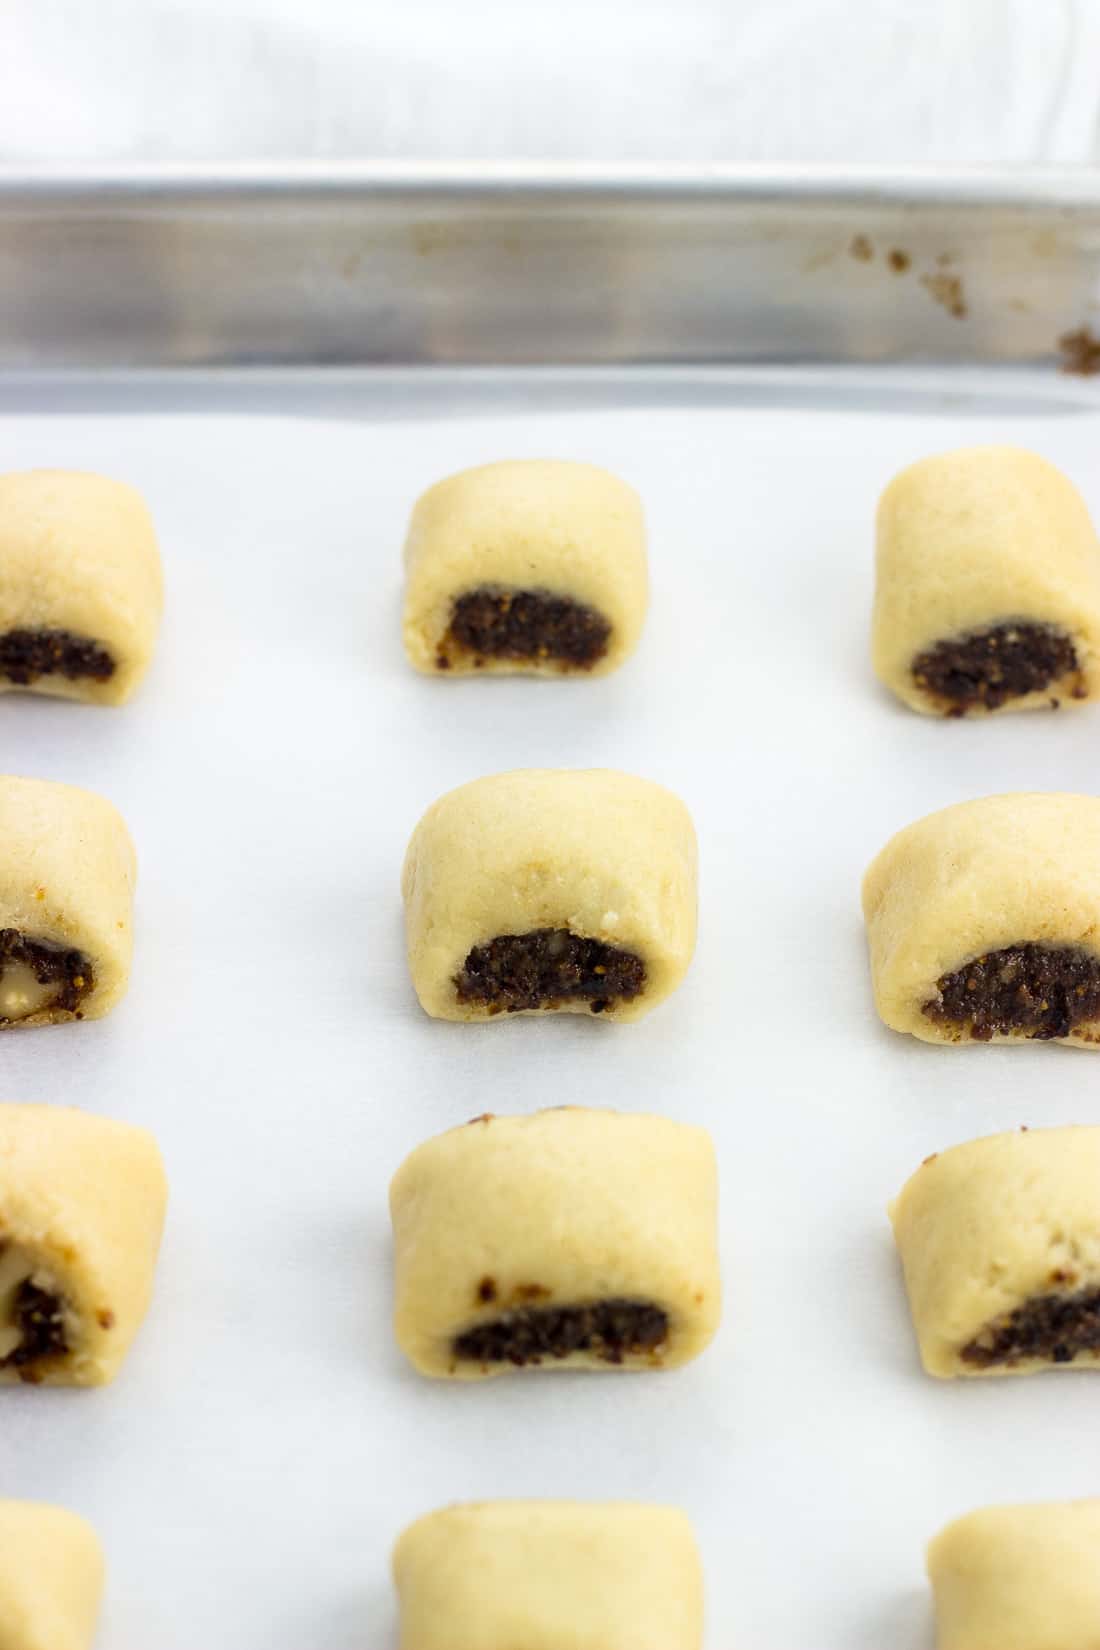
{"x": 397, "y": 266}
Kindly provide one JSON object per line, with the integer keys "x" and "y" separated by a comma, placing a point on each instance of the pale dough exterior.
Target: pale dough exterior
{"x": 526, "y": 524}
{"x": 550, "y": 1575}
{"x": 565, "y": 1208}
{"x": 974, "y": 538}
{"x": 608, "y": 856}
{"x": 51, "y": 1578}
{"x": 975, "y": 878}
{"x": 1019, "y": 1578}
{"x": 78, "y": 552}
{"x": 82, "y": 1199}
{"x": 985, "y": 1227}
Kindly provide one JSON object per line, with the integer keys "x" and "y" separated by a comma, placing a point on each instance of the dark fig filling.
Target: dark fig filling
{"x": 50, "y": 978}
{"x": 613, "y": 1330}
{"x": 986, "y": 668}
{"x": 25, "y": 655}
{"x": 1027, "y": 990}
{"x": 39, "y": 1316}
{"x": 1057, "y": 1327}
{"x": 525, "y": 624}
{"x": 545, "y": 968}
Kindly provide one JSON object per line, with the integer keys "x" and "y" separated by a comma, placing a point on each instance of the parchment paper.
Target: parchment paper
{"x": 265, "y": 1443}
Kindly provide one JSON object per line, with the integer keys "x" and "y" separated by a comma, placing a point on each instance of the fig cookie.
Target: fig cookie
{"x": 505, "y": 1259}
{"x": 550, "y": 1575}
{"x": 51, "y": 1578}
{"x": 983, "y": 922}
{"x": 999, "y": 1241}
{"x": 1019, "y": 1578}
{"x": 987, "y": 592}
{"x": 550, "y": 891}
{"x": 82, "y": 1203}
{"x": 534, "y": 567}
{"x": 67, "y": 874}
{"x": 80, "y": 586}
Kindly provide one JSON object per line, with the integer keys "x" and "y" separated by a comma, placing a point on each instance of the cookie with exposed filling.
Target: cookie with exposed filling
{"x": 983, "y": 922}
{"x": 81, "y": 587}
{"x": 550, "y": 890}
{"x": 987, "y": 592}
{"x": 568, "y": 1239}
{"x": 1019, "y": 1578}
{"x": 550, "y": 1575}
{"x": 51, "y": 1578}
{"x": 999, "y": 1242}
{"x": 67, "y": 874}
{"x": 529, "y": 567}
{"x": 82, "y": 1203}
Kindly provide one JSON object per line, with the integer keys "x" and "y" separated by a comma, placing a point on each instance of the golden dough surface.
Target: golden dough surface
{"x": 51, "y": 1578}
{"x": 988, "y": 1226}
{"x": 83, "y": 1198}
{"x": 971, "y": 539}
{"x": 570, "y": 530}
{"x": 78, "y": 553}
{"x": 563, "y": 1208}
{"x": 550, "y": 1575}
{"x": 604, "y": 855}
{"x": 975, "y": 879}
{"x": 1019, "y": 1578}
{"x": 67, "y": 875}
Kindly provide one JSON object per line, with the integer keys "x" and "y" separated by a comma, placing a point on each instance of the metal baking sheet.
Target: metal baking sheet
{"x": 265, "y": 1443}
{"x": 518, "y": 265}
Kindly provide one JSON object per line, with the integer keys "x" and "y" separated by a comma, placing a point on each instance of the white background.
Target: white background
{"x": 914, "y": 82}
{"x": 265, "y": 1443}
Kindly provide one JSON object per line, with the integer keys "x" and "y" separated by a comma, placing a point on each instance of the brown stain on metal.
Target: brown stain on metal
{"x": 1080, "y": 352}
{"x": 898, "y": 260}
{"x": 947, "y": 291}
{"x": 861, "y": 249}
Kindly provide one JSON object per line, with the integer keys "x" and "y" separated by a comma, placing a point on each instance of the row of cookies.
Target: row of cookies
{"x": 575, "y": 891}
{"x": 987, "y": 590}
{"x": 999, "y": 1241}
{"x": 620, "y": 1575}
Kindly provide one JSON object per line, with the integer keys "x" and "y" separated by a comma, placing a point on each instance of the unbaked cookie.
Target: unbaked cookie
{"x": 987, "y": 593}
{"x": 51, "y": 1578}
{"x": 82, "y": 1204}
{"x": 561, "y": 890}
{"x": 983, "y": 922}
{"x": 550, "y": 1575}
{"x": 67, "y": 873}
{"x": 533, "y": 566}
{"x": 80, "y": 585}
{"x": 568, "y": 1239}
{"x": 1000, "y": 1244}
{"x": 1019, "y": 1578}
